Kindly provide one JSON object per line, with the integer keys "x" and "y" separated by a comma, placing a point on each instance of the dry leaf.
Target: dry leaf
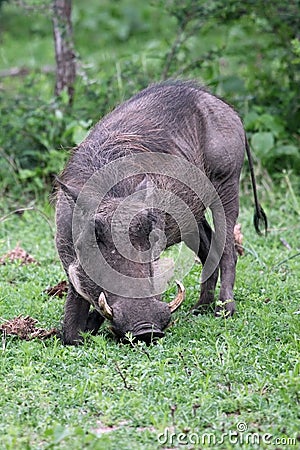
{"x": 25, "y": 328}
{"x": 17, "y": 254}
{"x": 238, "y": 239}
{"x": 58, "y": 290}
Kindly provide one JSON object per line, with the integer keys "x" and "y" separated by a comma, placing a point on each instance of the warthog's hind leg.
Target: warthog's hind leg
{"x": 209, "y": 285}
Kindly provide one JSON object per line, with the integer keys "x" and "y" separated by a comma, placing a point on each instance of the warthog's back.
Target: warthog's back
{"x": 178, "y": 118}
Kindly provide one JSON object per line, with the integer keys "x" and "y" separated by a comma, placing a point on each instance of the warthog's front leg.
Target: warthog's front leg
{"x": 75, "y": 318}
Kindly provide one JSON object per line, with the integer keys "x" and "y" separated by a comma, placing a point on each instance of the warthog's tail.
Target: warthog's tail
{"x": 259, "y": 214}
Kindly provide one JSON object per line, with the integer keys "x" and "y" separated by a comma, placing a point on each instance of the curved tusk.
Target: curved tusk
{"x": 105, "y": 309}
{"x": 174, "y": 304}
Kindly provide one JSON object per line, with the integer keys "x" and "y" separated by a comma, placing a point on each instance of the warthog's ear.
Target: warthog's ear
{"x": 145, "y": 189}
{"x": 71, "y": 192}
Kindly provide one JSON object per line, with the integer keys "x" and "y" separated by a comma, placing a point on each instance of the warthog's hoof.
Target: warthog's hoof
{"x": 71, "y": 338}
{"x": 225, "y": 309}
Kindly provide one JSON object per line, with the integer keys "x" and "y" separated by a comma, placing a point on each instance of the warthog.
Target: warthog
{"x": 140, "y": 182}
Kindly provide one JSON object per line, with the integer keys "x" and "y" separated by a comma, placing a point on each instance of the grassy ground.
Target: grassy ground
{"x": 209, "y": 383}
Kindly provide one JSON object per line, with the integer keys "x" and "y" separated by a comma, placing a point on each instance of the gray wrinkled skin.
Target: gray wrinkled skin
{"x": 178, "y": 118}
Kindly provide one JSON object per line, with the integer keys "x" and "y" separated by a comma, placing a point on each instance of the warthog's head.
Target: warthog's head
{"x": 117, "y": 247}
{"x": 145, "y": 319}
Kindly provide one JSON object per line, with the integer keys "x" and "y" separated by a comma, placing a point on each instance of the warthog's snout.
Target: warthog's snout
{"x": 129, "y": 324}
{"x": 147, "y": 333}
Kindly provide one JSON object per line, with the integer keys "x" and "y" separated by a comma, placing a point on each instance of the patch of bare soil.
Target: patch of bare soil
{"x": 17, "y": 254}
{"x": 102, "y": 428}
{"x": 25, "y": 328}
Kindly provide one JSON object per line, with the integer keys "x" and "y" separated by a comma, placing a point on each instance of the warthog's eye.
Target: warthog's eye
{"x": 139, "y": 230}
{"x": 101, "y": 229}
{"x": 143, "y": 226}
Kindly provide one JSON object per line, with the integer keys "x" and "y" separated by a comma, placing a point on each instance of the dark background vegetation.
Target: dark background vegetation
{"x": 245, "y": 51}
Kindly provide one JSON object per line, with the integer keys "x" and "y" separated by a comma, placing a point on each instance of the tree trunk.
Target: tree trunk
{"x": 64, "y": 48}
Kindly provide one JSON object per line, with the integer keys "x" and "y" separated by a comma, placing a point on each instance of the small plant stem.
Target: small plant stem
{"x": 123, "y": 377}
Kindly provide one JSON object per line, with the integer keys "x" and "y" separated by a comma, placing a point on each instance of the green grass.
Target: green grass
{"x": 207, "y": 375}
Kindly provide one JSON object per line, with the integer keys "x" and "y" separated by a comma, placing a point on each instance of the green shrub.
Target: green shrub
{"x": 34, "y": 137}
{"x": 246, "y": 52}
{"x": 271, "y": 141}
